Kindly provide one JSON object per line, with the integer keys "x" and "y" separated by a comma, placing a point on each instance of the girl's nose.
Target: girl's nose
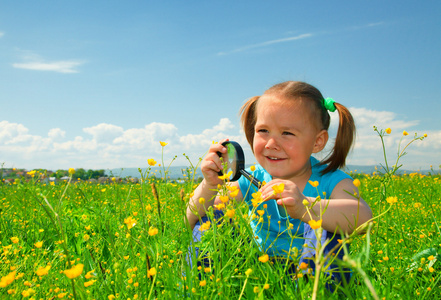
{"x": 272, "y": 144}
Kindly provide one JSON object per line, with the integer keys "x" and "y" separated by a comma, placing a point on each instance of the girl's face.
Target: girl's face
{"x": 285, "y": 136}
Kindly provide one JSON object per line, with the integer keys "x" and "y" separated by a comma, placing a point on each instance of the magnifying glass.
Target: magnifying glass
{"x": 235, "y": 162}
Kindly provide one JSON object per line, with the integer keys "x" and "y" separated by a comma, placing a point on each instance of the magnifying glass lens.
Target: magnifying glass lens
{"x": 231, "y": 160}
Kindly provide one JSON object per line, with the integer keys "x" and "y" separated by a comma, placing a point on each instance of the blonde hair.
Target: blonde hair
{"x": 294, "y": 90}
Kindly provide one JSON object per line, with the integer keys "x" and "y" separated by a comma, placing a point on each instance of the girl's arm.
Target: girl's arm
{"x": 342, "y": 212}
{"x": 345, "y": 210}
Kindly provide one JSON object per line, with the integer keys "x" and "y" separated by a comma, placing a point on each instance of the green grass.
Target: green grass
{"x": 111, "y": 230}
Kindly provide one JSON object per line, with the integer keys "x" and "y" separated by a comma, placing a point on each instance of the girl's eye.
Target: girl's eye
{"x": 262, "y": 130}
{"x": 287, "y": 133}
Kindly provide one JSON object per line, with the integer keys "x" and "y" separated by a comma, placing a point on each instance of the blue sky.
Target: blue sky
{"x": 97, "y": 84}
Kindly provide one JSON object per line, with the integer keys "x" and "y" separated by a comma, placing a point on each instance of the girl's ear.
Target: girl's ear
{"x": 320, "y": 141}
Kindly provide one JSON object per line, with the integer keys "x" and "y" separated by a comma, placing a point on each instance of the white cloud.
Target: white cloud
{"x": 1, "y": 34}
{"x": 268, "y": 43}
{"x": 56, "y": 133}
{"x": 110, "y": 146}
{"x": 65, "y": 66}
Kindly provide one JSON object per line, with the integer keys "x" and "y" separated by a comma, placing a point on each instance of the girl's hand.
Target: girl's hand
{"x": 290, "y": 197}
{"x": 211, "y": 164}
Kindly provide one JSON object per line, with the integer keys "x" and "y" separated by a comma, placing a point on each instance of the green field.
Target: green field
{"x": 81, "y": 240}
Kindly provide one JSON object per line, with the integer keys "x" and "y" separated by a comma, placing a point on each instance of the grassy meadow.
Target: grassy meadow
{"x": 80, "y": 240}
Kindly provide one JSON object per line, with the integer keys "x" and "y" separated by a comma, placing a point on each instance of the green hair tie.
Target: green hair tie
{"x": 329, "y": 104}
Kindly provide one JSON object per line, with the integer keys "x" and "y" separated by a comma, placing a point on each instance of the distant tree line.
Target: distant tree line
{"x": 80, "y": 174}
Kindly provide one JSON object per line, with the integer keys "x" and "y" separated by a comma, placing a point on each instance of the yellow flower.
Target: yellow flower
{"x": 356, "y": 182}
{"x": 151, "y": 272}
{"x": 425, "y": 135}
{"x": 234, "y": 193}
{"x": 313, "y": 183}
{"x": 14, "y": 239}
{"x": 203, "y": 283}
{"x": 248, "y": 272}
{"x": 38, "y": 244}
{"x": 130, "y": 222}
{"x": 391, "y": 200}
{"x": 201, "y": 200}
{"x": 153, "y": 231}
{"x": 8, "y": 279}
{"x": 305, "y": 202}
{"x": 278, "y": 189}
{"x": 256, "y": 289}
{"x": 205, "y": 226}
{"x": 405, "y": 133}
{"x": 226, "y": 176}
{"x": 163, "y": 144}
{"x": 315, "y": 224}
{"x": 266, "y": 286}
{"x": 223, "y": 199}
{"x": 61, "y": 295}
{"x": 86, "y": 237}
{"x": 431, "y": 269}
{"x": 43, "y": 270}
{"x": 31, "y": 173}
{"x": 388, "y": 130}
{"x": 253, "y": 168}
{"x": 28, "y": 292}
{"x": 89, "y": 283}
{"x": 260, "y": 212}
{"x": 303, "y": 266}
{"x": 74, "y": 272}
{"x": 431, "y": 257}
{"x": 89, "y": 274}
{"x": 71, "y": 171}
{"x": 264, "y": 258}
{"x": 230, "y": 213}
{"x": 151, "y": 162}
{"x": 111, "y": 297}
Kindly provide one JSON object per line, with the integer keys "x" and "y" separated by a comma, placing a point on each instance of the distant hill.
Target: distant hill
{"x": 179, "y": 171}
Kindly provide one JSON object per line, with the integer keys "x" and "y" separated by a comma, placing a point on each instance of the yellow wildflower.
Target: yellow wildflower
{"x": 253, "y": 168}
{"x": 14, "y": 239}
{"x": 28, "y": 292}
{"x": 223, "y": 199}
{"x": 278, "y": 189}
{"x": 264, "y": 258}
{"x": 405, "y": 133}
{"x": 31, "y": 173}
{"x": 248, "y": 272}
{"x": 8, "y": 279}
{"x": 89, "y": 274}
{"x": 201, "y": 200}
{"x": 391, "y": 200}
{"x": 388, "y": 130}
{"x": 315, "y": 224}
{"x": 313, "y": 183}
{"x": 43, "y": 270}
{"x": 153, "y": 231}
{"x": 74, "y": 272}
{"x": 130, "y": 222}
{"x": 260, "y": 212}
{"x": 226, "y": 176}
{"x": 234, "y": 193}
{"x": 89, "y": 283}
{"x": 303, "y": 266}
{"x": 205, "y": 226}
{"x": 266, "y": 286}
{"x": 256, "y": 289}
{"x": 163, "y": 144}
{"x": 230, "y": 213}
{"x": 38, "y": 244}
{"x": 431, "y": 257}
{"x": 356, "y": 182}
{"x": 71, "y": 171}
{"x": 203, "y": 283}
{"x": 151, "y": 162}
{"x": 61, "y": 295}
{"x": 151, "y": 272}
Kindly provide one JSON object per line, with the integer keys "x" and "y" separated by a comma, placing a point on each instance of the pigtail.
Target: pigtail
{"x": 343, "y": 142}
{"x": 248, "y": 118}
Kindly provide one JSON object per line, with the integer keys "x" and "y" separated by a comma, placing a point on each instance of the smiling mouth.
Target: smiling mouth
{"x": 274, "y": 158}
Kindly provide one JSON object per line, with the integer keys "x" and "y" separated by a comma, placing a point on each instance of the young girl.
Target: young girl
{"x": 284, "y": 127}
